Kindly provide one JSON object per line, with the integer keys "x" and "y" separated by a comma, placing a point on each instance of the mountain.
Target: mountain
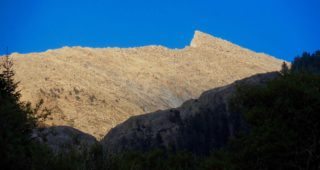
{"x": 198, "y": 125}
{"x": 95, "y": 89}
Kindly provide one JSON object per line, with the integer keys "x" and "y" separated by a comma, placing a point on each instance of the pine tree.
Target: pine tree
{"x": 284, "y": 69}
{"x": 16, "y": 121}
{"x": 7, "y": 75}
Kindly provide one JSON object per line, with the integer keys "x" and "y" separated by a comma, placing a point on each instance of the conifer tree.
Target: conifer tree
{"x": 284, "y": 69}
{"x": 16, "y": 120}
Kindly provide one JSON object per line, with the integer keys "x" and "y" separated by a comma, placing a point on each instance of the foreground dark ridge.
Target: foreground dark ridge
{"x": 199, "y": 125}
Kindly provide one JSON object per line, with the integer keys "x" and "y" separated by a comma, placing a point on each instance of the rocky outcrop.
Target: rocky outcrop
{"x": 203, "y": 40}
{"x": 64, "y": 138}
{"x": 198, "y": 125}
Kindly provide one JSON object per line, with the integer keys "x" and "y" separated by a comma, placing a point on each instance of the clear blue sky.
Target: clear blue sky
{"x": 282, "y": 28}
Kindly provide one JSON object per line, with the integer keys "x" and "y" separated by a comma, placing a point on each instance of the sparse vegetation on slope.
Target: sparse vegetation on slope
{"x": 95, "y": 89}
{"x": 284, "y": 132}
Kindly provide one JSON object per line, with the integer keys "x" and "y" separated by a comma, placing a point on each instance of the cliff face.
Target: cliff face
{"x": 95, "y": 89}
{"x": 199, "y": 125}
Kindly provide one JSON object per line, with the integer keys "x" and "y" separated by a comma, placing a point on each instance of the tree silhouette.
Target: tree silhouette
{"x": 284, "y": 69}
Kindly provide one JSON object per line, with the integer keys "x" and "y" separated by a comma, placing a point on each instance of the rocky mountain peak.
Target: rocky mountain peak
{"x": 95, "y": 89}
{"x": 204, "y": 40}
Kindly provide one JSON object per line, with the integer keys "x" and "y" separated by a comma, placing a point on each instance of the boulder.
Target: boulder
{"x": 64, "y": 138}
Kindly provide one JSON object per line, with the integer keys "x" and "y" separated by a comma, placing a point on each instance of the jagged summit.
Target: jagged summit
{"x": 95, "y": 89}
{"x": 200, "y": 39}
{"x": 204, "y": 40}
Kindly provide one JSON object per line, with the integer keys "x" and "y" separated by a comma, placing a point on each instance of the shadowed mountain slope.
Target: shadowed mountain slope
{"x": 198, "y": 125}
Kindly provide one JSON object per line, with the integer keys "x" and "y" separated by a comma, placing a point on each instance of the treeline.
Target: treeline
{"x": 283, "y": 116}
{"x": 309, "y": 63}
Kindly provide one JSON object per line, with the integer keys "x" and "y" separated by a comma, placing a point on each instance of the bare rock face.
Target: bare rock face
{"x": 95, "y": 89}
{"x": 64, "y": 138}
{"x": 203, "y": 40}
{"x": 199, "y": 125}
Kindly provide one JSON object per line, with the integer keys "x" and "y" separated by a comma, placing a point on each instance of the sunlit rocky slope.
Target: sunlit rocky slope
{"x": 94, "y": 89}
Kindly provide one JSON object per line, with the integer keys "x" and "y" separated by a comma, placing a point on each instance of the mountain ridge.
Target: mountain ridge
{"x": 193, "y": 43}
